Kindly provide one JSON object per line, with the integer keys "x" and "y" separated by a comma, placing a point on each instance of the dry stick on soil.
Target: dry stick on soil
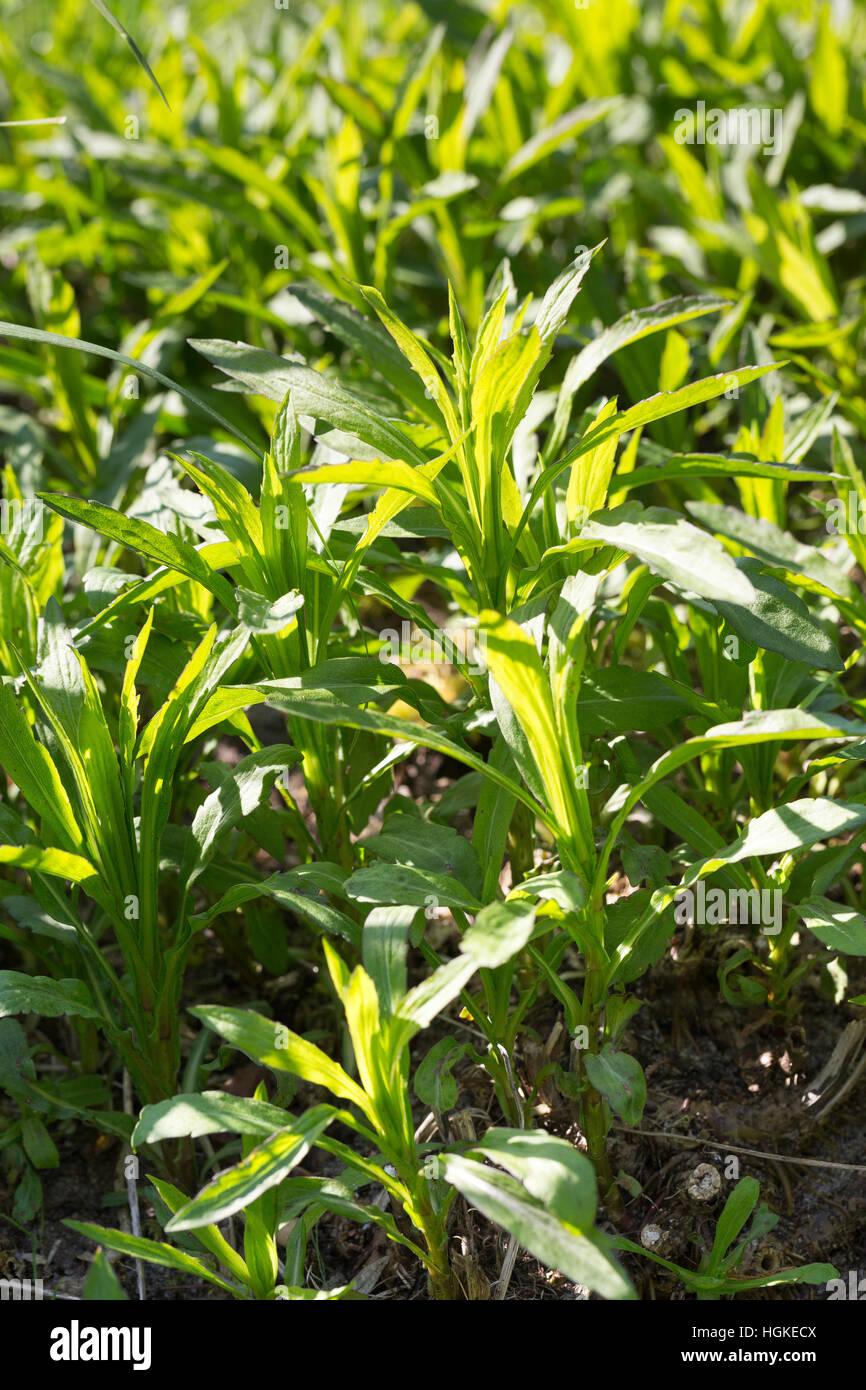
{"x": 513, "y": 1245}
{"x": 132, "y": 1188}
{"x": 736, "y": 1149}
{"x": 832, "y": 1085}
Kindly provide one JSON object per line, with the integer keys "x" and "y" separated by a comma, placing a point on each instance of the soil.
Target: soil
{"x": 737, "y": 1079}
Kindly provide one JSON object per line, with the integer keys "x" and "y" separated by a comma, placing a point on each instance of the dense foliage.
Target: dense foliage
{"x": 430, "y": 599}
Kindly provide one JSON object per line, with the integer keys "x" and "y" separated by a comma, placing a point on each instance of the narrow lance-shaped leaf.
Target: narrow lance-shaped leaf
{"x": 237, "y": 796}
{"x": 403, "y": 729}
{"x": 209, "y": 1237}
{"x": 124, "y": 34}
{"x": 157, "y": 546}
{"x": 32, "y": 769}
{"x": 657, "y": 407}
{"x": 774, "y": 546}
{"x": 836, "y": 926}
{"x": 778, "y": 620}
{"x": 261, "y": 1170}
{"x": 758, "y": 726}
{"x": 514, "y": 663}
{"x": 37, "y": 994}
{"x": 672, "y": 547}
{"x": 277, "y": 1047}
{"x": 57, "y": 863}
{"x": 207, "y": 1112}
{"x": 551, "y": 137}
{"x": 620, "y": 1079}
{"x": 313, "y": 394}
{"x": 38, "y": 335}
{"x": 400, "y": 883}
{"x": 556, "y": 1243}
{"x": 153, "y": 1251}
{"x": 785, "y": 829}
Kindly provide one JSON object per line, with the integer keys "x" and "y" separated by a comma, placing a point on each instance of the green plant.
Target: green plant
{"x": 716, "y": 1275}
{"x": 256, "y": 1273}
{"x": 382, "y": 1018}
{"x": 101, "y": 819}
{"x": 435, "y": 320}
{"x": 511, "y": 553}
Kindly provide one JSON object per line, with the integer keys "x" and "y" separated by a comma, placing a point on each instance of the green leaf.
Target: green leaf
{"x": 565, "y": 127}
{"x": 351, "y": 678}
{"x": 838, "y": 927}
{"x": 391, "y": 473}
{"x": 32, "y": 769}
{"x": 735, "y": 1213}
{"x": 666, "y": 403}
{"x": 153, "y": 1251}
{"x": 714, "y": 466}
{"x": 37, "y": 994}
{"x": 237, "y": 796}
{"x": 493, "y": 815}
{"x": 428, "y": 998}
{"x": 393, "y": 727}
{"x": 162, "y": 548}
{"x": 614, "y": 699}
{"x": 422, "y": 844}
{"x": 55, "y": 340}
{"x": 264, "y": 615}
{"x": 261, "y": 1170}
{"x": 211, "y": 1112}
{"x": 221, "y": 707}
{"x": 565, "y": 889}
{"x": 779, "y": 621}
{"x": 671, "y": 547}
{"x": 287, "y": 890}
{"x": 124, "y": 34}
{"x": 102, "y": 1285}
{"x": 558, "y": 299}
{"x": 57, "y": 863}
{"x": 684, "y": 820}
{"x": 551, "y": 1169}
{"x": 416, "y": 353}
{"x": 384, "y": 946}
{"x": 312, "y": 394}
{"x": 38, "y": 1144}
{"x": 16, "y": 1065}
{"x": 515, "y": 665}
{"x": 434, "y": 1085}
{"x": 315, "y": 1195}
{"x": 657, "y": 407}
{"x": 274, "y": 1046}
{"x": 580, "y": 1257}
{"x": 828, "y": 78}
{"x": 631, "y": 328}
{"x": 499, "y": 931}
{"x": 792, "y": 826}
{"x": 210, "y": 1238}
{"x": 399, "y": 883}
{"x": 803, "y": 1274}
{"x": 369, "y": 340}
{"x": 758, "y": 726}
{"x": 774, "y": 546}
{"x": 634, "y": 936}
{"x": 620, "y": 1079}
{"x": 160, "y": 745}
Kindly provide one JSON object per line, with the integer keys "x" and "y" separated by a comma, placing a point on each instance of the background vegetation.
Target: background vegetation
{"x": 337, "y": 340}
